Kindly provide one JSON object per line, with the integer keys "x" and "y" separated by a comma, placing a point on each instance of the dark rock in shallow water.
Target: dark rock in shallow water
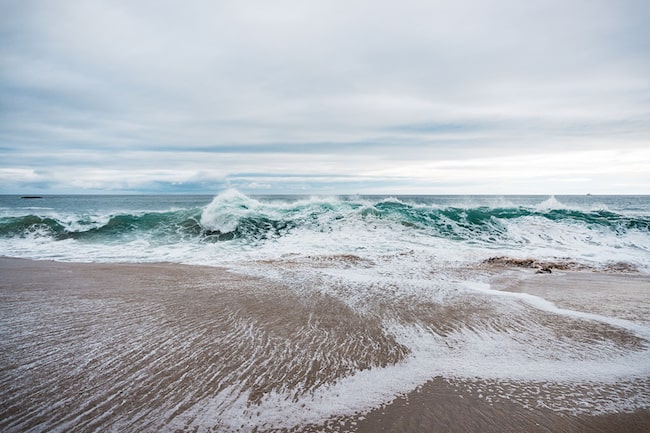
{"x": 542, "y": 266}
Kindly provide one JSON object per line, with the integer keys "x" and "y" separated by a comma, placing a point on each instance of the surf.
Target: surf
{"x": 232, "y": 225}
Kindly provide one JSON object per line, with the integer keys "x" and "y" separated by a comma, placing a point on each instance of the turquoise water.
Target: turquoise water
{"x": 204, "y": 229}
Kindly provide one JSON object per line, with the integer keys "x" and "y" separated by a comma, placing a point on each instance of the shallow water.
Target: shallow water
{"x": 165, "y": 347}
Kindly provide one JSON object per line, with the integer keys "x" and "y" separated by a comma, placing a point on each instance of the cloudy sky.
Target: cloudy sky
{"x": 435, "y": 96}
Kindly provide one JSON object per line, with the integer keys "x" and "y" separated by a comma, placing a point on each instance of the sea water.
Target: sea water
{"x": 597, "y": 231}
{"x": 410, "y": 275}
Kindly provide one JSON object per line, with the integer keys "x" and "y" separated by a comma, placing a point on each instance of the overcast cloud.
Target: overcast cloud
{"x": 494, "y": 96}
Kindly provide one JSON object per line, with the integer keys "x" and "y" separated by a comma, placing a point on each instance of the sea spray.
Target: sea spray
{"x": 593, "y": 230}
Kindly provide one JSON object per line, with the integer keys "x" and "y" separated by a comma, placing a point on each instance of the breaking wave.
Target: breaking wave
{"x": 347, "y": 225}
{"x": 242, "y": 217}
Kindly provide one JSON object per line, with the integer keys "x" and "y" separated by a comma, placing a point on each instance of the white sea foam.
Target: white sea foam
{"x": 465, "y": 354}
{"x": 224, "y": 213}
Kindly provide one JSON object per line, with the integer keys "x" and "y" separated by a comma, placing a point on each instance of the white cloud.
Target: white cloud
{"x": 154, "y": 87}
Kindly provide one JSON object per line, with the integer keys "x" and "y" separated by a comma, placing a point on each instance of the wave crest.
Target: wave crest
{"x": 348, "y": 225}
{"x": 227, "y": 210}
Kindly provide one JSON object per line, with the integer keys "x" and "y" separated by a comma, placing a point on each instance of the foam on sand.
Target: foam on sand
{"x": 166, "y": 347}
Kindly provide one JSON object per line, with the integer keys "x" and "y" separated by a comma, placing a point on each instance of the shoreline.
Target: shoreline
{"x": 621, "y": 295}
{"x": 476, "y": 402}
{"x": 109, "y": 345}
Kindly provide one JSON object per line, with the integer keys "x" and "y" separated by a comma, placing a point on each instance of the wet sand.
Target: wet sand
{"x": 443, "y": 405}
{"x": 161, "y": 347}
{"x": 453, "y": 405}
{"x": 612, "y": 294}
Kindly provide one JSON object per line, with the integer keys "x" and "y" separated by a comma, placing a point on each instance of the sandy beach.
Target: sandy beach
{"x": 166, "y": 347}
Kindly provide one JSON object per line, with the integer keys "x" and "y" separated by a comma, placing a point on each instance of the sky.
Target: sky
{"x": 325, "y": 97}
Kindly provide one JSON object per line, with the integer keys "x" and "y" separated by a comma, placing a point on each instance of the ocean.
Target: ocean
{"x": 354, "y": 301}
{"x": 232, "y": 228}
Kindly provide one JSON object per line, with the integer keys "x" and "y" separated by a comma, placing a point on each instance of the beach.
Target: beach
{"x": 170, "y": 347}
